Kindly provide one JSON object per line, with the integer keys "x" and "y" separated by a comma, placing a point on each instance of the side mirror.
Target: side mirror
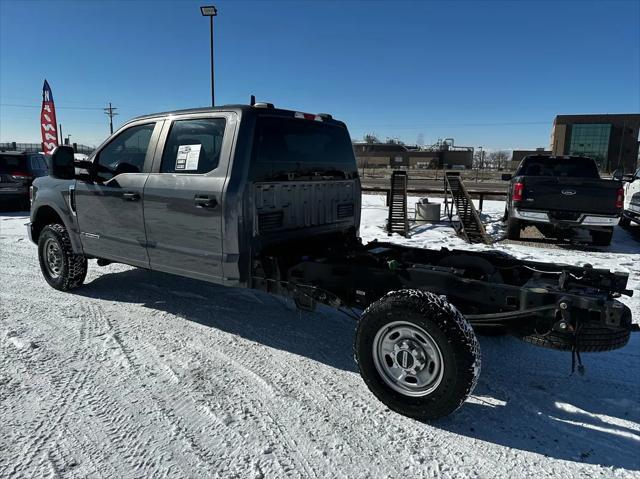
{"x": 506, "y": 176}
{"x": 618, "y": 174}
{"x": 61, "y": 163}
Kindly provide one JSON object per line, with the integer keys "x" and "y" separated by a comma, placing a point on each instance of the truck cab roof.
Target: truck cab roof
{"x": 257, "y": 108}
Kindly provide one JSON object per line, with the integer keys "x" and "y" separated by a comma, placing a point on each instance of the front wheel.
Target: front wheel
{"x": 61, "y": 267}
{"x": 417, "y": 354}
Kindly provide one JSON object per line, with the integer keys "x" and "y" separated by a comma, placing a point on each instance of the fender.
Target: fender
{"x": 54, "y": 194}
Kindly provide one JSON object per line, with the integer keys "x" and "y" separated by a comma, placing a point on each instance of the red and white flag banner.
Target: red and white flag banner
{"x": 48, "y": 124}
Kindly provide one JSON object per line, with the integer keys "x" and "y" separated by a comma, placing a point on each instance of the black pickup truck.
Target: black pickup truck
{"x": 265, "y": 198}
{"x": 562, "y": 194}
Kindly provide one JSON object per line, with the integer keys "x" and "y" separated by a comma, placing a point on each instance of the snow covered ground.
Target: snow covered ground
{"x": 142, "y": 374}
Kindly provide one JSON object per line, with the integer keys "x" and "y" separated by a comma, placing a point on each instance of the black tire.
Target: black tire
{"x": 513, "y": 228}
{"x": 625, "y": 222}
{"x": 446, "y": 327}
{"x": 602, "y": 238}
{"x": 71, "y": 268}
{"x": 593, "y": 337}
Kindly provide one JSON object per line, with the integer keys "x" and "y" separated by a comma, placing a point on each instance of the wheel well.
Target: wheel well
{"x": 45, "y": 216}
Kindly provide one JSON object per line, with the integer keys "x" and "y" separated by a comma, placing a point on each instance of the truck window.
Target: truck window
{"x": 286, "y": 145}
{"x": 37, "y": 162}
{"x": 569, "y": 167}
{"x": 126, "y": 152}
{"x": 193, "y": 146}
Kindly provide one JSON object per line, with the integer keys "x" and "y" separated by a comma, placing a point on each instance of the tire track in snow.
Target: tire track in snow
{"x": 68, "y": 381}
{"x": 318, "y": 405}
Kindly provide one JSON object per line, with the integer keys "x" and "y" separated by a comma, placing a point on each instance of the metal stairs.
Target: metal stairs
{"x": 470, "y": 226}
{"x": 398, "y": 222}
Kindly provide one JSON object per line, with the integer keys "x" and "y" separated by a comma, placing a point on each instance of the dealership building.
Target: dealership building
{"x": 611, "y": 139}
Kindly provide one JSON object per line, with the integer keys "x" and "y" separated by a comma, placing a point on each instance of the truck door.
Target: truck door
{"x": 109, "y": 205}
{"x": 183, "y": 196}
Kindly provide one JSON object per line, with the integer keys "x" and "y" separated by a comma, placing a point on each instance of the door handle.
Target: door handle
{"x": 130, "y": 196}
{"x": 204, "y": 201}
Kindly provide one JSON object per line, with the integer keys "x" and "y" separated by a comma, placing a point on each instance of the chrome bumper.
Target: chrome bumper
{"x": 583, "y": 220}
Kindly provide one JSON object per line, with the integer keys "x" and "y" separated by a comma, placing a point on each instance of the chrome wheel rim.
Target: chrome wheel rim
{"x": 408, "y": 359}
{"x": 53, "y": 257}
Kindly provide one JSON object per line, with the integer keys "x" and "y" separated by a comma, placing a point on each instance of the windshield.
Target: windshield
{"x": 564, "y": 167}
{"x": 12, "y": 163}
{"x": 285, "y": 147}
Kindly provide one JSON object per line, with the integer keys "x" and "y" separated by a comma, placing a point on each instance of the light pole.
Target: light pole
{"x": 210, "y": 11}
{"x": 481, "y": 159}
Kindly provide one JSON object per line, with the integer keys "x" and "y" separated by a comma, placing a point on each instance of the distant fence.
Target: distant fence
{"x": 35, "y": 147}
{"x": 439, "y": 191}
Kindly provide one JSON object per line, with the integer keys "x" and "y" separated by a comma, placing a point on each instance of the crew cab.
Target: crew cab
{"x": 562, "y": 194}
{"x": 257, "y": 197}
{"x": 631, "y": 213}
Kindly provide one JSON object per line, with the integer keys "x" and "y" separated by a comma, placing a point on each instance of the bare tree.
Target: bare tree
{"x": 498, "y": 159}
{"x": 479, "y": 159}
{"x": 371, "y": 138}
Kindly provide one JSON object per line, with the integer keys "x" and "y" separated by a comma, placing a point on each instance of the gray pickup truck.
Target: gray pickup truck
{"x": 265, "y": 198}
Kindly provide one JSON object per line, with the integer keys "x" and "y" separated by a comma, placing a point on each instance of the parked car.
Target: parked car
{"x": 263, "y": 198}
{"x": 563, "y": 194}
{"x": 631, "y": 211}
{"x": 17, "y": 171}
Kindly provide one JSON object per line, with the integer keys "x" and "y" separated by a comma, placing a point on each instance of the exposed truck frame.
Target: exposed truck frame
{"x": 415, "y": 342}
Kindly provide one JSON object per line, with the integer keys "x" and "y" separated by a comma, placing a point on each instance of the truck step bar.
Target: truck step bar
{"x": 469, "y": 226}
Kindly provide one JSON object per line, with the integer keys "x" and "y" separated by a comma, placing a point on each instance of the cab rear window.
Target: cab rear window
{"x": 563, "y": 167}
{"x": 294, "y": 145}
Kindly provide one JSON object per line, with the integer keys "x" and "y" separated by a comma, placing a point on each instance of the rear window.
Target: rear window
{"x": 193, "y": 146}
{"x": 283, "y": 145}
{"x": 13, "y": 163}
{"x": 569, "y": 167}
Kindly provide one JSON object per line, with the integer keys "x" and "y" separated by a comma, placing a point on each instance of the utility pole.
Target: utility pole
{"x": 60, "y": 133}
{"x": 110, "y": 113}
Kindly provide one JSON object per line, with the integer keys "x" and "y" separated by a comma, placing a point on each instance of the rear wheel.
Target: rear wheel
{"x": 61, "y": 267}
{"x": 513, "y": 228}
{"x": 602, "y": 238}
{"x": 417, "y": 354}
{"x": 592, "y": 338}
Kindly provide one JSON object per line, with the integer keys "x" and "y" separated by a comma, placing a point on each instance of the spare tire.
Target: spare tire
{"x": 417, "y": 354}
{"x": 593, "y": 338}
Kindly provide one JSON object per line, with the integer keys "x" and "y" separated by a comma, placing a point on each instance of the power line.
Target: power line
{"x": 454, "y": 125}
{"x": 17, "y": 105}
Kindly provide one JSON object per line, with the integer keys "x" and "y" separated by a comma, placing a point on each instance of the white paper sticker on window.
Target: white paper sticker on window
{"x": 187, "y": 158}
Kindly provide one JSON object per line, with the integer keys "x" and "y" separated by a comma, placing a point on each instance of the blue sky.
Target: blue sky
{"x": 486, "y": 73}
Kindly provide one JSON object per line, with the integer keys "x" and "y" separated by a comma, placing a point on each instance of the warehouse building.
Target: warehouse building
{"x": 384, "y": 155}
{"x": 611, "y": 139}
